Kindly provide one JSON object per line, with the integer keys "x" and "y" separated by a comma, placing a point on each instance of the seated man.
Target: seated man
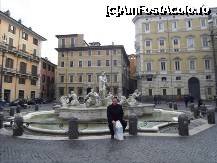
{"x": 115, "y": 113}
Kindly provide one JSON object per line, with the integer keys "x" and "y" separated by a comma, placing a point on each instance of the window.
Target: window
{"x": 52, "y": 69}
{"x": 190, "y": 42}
{"x": 80, "y": 53}
{"x": 208, "y": 77}
{"x": 114, "y": 62}
{"x": 188, "y": 24}
{"x": 89, "y": 52}
{"x": 147, "y": 43}
{"x": 98, "y": 62}
{"x": 174, "y": 26}
{"x": 43, "y": 78}
{"x": 114, "y": 51}
{"x": 98, "y": 52}
{"x": 205, "y": 43}
{"x": 80, "y": 78}
{"x": 70, "y": 89}
{"x": 61, "y": 91}
{"x": 148, "y": 51}
{"x": 209, "y": 91}
{"x": 163, "y": 66}
{"x": 32, "y": 94}
{"x": 179, "y": 93}
{"x": 62, "y": 54}
{"x": 148, "y": 67}
{"x": 62, "y": 79}
{"x": 89, "y": 63}
{"x": 48, "y": 67}
{"x": 63, "y": 43}
{"x": 175, "y": 41}
{"x": 33, "y": 82}
{"x": 71, "y": 78}
{"x": 8, "y": 79}
{"x": 34, "y": 52}
{"x": 160, "y": 27}
{"x": 207, "y": 64}
{"x": 24, "y": 47}
{"x": 108, "y": 78}
{"x": 147, "y": 27}
{"x": 178, "y": 77}
{"x": 72, "y": 42}
{"x": 22, "y": 67}
{"x": 35, "y": 41}
{"x": 34, "y": 70}
{"x": 62, "y": 64}
{"x": 162, "y": 50}
{"x": 9, "y": 63}
{"x": 71, "y": 63}
{"x": 107, "y": 63}
{"x": 11, "y": 42}
{"x": 89, "y": 78}
{"x": 164, "y": 92}
{"x": 22, "y": 80}
{"x": 80, "y": 91}
{"x": 161, "y": 42}
{"x": 163, "y": 79}
{"x": 115, "y": 78}
{"x": 21, "y": 94}
{"x": 177, "y": 65}
{"x": 80, "y": 64}
{"x": 24, "y": 36}
{"x": 107, "y": 52}
{"x": 150, "y": 92}
{"x": 11, "y": 29}
{"x": 192, "y": 64}
{"x": 203, "y": 23}
{"x": 149, "y": 78}
{"x": 44, "y": 65}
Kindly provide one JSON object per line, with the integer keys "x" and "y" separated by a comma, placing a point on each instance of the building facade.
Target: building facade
{"x": 174, "y": 56}
{"x": 20, "y": 51}
{"x": 132, "y": 73}
{"x": 47, "y": 79}
{"x": 80, "y": 65}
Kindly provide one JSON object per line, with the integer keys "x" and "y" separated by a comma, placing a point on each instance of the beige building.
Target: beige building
{"x": 80, "y": 65}
{"x": 20, "y": 50}
{"x": 174, "y": 56}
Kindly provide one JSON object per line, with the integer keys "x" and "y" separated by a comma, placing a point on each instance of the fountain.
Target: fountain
{"x": 92, "y": 115}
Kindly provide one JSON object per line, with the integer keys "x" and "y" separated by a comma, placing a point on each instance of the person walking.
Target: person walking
{"x": 115, "y": 113}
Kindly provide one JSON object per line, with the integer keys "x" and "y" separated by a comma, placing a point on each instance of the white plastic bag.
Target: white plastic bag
{"x": 118, "y": 130}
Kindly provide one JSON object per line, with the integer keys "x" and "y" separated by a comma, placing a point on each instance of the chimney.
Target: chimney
{"x": 20, "y": 21}
{"x": 8, "y": 13}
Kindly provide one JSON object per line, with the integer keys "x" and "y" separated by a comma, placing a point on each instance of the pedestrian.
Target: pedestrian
{"x": 155, "y": 99}
{"x": 115, "y": 113}
{"x": 186, "y": 98}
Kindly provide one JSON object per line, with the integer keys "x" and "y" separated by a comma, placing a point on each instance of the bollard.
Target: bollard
{"x": 211, "y": 116}
{"x": 133, "y": 124}
{"x": 175, "y": 106}
{"x": 11, "y": 111}
{"x": 18, "y": 126}
{"x": 18, "y": 109}
{"x": 1, "y": 120}
{"x": 196, "y": 112}
{"x": 183, "y": 125}
{"x": 36, "y": 107}
{"x": 191, "y": 106}
{"x": 73, "y": 128}
{"x": 170, "y": 104}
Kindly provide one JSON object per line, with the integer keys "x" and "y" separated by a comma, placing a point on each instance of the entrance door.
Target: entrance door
{"x": 194, "y": 88}
{"x": 7, "y": 95}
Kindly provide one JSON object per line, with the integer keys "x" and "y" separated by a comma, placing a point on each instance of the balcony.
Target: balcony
{"x": 9, "y": 70}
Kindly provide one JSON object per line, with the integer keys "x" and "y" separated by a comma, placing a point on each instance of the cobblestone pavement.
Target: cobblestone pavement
{"x": 199, "y": 148}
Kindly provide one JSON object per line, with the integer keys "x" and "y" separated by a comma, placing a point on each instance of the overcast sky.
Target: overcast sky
{"x": 51, "y": 17}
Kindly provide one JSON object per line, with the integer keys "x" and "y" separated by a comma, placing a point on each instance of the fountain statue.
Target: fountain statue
{"x": 102, "y": 87}
{"x": 73, "y": 99}
{"x": 132, "y": 100}
{"x": 109, "y": 98}
{"x": 92, "y": 99}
